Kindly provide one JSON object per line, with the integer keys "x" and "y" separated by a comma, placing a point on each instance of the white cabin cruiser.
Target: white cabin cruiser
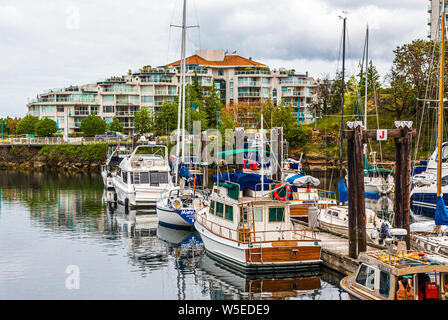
{"x": 142, "y": 176}
{"x": 116, "y": 154}
{"x": 335, "y": 219}
{"x": 246, "y": 228}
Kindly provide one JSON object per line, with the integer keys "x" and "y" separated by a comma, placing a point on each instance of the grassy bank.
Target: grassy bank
{"x": 75, "y": 153}
{"x": 325, "y": 140}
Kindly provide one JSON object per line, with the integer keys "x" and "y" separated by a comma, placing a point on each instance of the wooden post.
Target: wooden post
{"x": 398, "y": 205}
{"x": 352, "y": 223}
{"x": 402, "y": 206}
{"x": 359, "y": 191}
{"x": 406, "y": 184}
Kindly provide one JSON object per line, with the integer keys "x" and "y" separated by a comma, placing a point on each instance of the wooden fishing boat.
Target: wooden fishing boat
{"x": 395, "y": 274}
{"x": 246, "y": 228}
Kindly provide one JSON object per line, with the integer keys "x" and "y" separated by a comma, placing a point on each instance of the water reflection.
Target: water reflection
{"x": 49, "y": 221}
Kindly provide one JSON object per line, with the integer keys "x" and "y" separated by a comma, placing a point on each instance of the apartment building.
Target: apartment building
{"x": 238, "y": 79}
{"x": 433, "y": 19}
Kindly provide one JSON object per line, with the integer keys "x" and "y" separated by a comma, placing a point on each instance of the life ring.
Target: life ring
{"x": 288, "y": 192}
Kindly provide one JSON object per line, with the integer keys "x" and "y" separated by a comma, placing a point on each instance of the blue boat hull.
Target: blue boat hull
{"x": 425, "y": 203}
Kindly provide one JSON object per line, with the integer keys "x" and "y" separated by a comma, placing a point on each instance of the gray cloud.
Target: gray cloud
{"x": 42, "y": 46}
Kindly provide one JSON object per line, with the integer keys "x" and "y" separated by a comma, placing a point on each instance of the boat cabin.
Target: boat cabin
{"x": 417, "y": 277}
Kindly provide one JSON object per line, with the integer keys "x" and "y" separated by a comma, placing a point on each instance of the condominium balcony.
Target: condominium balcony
{"x": 293, "y": 94}
{"x": 125, "y": 113}
{"x": 248, "y": 94}
{"x": 119, "y": 90}
{"x": 249, "y": 83}
{"x": 127, "y": 125}
{"x": 240, "y": 72}
{"x": 156, "y": 80}
{"x": 84, "y": 113}
{"x": 128, "y": 103}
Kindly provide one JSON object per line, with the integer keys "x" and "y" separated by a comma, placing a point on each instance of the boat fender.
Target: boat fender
{"x": 288, "y": 192}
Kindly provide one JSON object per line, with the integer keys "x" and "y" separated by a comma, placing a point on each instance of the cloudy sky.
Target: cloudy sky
{"x": 53, "y": 44}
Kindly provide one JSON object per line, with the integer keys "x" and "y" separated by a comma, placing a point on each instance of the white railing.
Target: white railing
{"x": 57, "y": 140}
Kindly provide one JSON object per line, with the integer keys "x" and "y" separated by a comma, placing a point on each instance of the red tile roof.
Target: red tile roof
{"x": 231, "y": 60}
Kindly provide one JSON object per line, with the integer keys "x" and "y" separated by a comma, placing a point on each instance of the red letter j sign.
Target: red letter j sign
{"x": 381, "y": 135}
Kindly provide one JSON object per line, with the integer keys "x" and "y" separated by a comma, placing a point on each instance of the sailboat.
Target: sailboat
{"x": 177, "y": 206}
{"x": 335, "y": 218}
{"x": 377, "y": 180}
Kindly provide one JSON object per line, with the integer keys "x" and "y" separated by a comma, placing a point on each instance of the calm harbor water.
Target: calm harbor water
{"x": 51, "y": 223}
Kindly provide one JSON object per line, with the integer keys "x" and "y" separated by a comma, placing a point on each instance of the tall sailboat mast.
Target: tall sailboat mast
{"x": 367, "y": 77}
{"x": 440, "y": 111}
{"x": 342, "y": 97}
{"x": 181, "y": 102}
{"x": 184, "y": 33}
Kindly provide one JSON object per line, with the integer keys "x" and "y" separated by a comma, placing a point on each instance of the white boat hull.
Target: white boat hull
{"x": 169, "y": 218}
{"x": 233, "y": 254}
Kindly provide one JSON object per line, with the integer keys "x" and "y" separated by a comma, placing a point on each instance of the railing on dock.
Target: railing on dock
{"x": 57, "y": 140}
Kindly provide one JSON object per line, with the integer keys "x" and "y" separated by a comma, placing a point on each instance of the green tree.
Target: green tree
{"x": 213, "y": 105}
{"x": 27, "y": 125}
{"x": 11, "y": 125}
{"x": 144, "y": 120}
{"x": 115, "y": 125}
{"x": 410, "y": 73}
{"x": 283, "y": 116}
{"x": 373, "y": 81}
{"x": 46, "y": 127}
{"x": 166, "y": 118}
{"x": 92, "y": 125}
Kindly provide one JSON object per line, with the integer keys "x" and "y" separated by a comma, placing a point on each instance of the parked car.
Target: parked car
{"x": 112, "y": 135}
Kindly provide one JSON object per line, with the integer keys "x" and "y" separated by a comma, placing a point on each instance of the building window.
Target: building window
{"x": 108, "y": 109}
{"x": 48, "y": 109}
{"x": 93, "y": 110}
{"x": 276, "y": 215}
{"x": 147, "y": 99}
{"x": 229, "y": 213}
{"x": 147, "y": 89}
{"x": 108, "y": 98}
{"x": 60, "y": 108}
{"x": 220, "y": 72}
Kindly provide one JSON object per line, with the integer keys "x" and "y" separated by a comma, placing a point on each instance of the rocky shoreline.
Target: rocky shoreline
{"x": 32, "y": 158}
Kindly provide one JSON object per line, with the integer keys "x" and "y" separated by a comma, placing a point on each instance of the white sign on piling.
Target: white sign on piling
{"x": 381, "y": 135}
